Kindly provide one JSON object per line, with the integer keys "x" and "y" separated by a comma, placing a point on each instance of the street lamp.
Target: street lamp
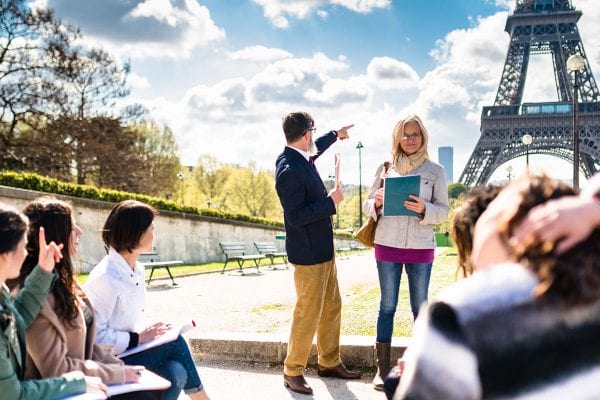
{"x": 180, "y": 176}
{"x": 575, "y": 64}
{"x": 527, "y": 140}
{"x": 359, "y": 146}
{"x": 509, "y": 172}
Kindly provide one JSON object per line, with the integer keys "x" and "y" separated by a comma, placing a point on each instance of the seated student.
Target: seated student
{"x": 61, "y": 338}
{"x": 528, "y": 329}
{"x": 18, "y": 313}
{"x": 117, "y": 291}
{"x": 464, "y": 219}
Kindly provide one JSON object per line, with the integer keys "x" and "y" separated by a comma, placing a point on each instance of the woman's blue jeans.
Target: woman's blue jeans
{"x": 173, "y": 362}
{"x": 389, "y": 283}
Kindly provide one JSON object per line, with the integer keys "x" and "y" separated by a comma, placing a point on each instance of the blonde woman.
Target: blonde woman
{"x": 405, "y": 242}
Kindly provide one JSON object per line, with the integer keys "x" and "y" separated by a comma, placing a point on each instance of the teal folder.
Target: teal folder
{"x": 396, "y": 191}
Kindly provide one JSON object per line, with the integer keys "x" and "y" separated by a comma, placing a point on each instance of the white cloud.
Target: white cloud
{"x": 161, "y": 10}
{"x": 136, "y": 81}
{"x": 238, "y": 109}
{"x": 149, "y": 28}
{"x": 278, "y": 11}
{"x": 589, "y": 29}
{"x": 339, "y": 91}
{"x": 245, "y": 112}
{"x": 259, "y": 53}
{"x": 469, "y": 66}
{"x": 297, "y": 80}
{"x": 389, "y": 74}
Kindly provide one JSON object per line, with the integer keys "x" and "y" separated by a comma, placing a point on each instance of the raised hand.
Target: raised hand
{"x": 343, "y": 132}
{"x": 337, "y": 195}
{"x": 565, "y": 221}
{"x": 50, "y": 253}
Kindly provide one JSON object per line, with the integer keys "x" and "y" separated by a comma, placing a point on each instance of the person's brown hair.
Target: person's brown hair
{"x": 56, "y": 217}
{"x": 572, "y": 277}
{"x": 465, "y": 216}
{"x": 126, "y": 223}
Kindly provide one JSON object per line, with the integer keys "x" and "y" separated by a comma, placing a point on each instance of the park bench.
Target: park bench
{"x": 152, "y": 260}
{"x": 355, "y": 246}
{"x": 269, "y": 250}
{"x": 343, "y": 251}
{"x": 236, "y": 251}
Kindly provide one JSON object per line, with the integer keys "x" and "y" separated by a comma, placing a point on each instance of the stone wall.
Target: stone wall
{"x": 177, "y": 236}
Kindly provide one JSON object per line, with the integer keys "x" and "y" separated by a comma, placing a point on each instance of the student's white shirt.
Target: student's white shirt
{"x": 118, "y": 294}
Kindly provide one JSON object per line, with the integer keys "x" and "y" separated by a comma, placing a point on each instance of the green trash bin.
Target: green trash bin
{"x": 442, "y": 239}
{"x": 280, "y": 241}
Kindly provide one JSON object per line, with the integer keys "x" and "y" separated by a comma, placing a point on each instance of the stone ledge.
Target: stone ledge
{"x": 357, "y": 351}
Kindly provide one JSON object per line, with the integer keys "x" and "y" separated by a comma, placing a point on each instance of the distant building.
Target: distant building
{"x": 446, "y": 158}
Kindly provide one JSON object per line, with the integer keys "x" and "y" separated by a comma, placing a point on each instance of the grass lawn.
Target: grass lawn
{"x": 359, "y": 316}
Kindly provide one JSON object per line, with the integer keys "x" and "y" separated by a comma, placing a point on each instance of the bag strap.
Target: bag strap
{"x": 386, "y": 166}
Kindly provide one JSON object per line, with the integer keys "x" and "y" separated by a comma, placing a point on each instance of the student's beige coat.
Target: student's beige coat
{"x": 54, "y": 347}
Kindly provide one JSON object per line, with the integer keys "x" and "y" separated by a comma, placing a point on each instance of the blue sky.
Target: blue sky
{"x": 222, "y": 74}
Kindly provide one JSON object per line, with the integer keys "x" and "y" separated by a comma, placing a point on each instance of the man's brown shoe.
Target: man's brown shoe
{"x": 297, "y": 384}
{"x": 339, "y": 371}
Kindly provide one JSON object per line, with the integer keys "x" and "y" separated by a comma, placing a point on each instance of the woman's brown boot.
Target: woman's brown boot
{"x": 383, "y": 364}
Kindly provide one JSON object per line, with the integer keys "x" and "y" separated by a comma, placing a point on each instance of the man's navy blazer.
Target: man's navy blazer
{"x": 307, "y": 209}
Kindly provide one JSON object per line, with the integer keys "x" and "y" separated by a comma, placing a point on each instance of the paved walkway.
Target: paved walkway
{"x": 226, "y": 381}
{"x": 253, "y": 303}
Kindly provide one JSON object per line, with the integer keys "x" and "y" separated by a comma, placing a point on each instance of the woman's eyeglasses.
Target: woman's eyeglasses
{"x": 411, "y": 136}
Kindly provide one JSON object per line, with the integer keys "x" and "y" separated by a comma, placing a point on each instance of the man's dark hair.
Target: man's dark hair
{"x": 126, "y": 224}
{"x": 296, "y": 124}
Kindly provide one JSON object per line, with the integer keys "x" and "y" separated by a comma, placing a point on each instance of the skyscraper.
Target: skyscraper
{"x": 446, "y": 158}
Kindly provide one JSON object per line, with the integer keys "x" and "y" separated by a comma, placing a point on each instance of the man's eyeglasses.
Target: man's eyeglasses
{"x": 310, "y": 130}
{"x": 411, "y": 136}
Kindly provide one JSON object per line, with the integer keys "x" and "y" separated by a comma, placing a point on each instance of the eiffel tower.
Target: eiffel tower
{"x": 539, "y": 27}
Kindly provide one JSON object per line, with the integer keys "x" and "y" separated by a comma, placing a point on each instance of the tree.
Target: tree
{"x": 456, "y": 189}
{"x": 210, "y": 176}
{"x": 34, "y": 46}
{"x": 93, "y": 81}
{"x": 252, "y": 192}
{"x": 157, "y": 149}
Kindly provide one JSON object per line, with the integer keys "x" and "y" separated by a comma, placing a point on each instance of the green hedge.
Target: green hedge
{"x": 49, "y": 185}
{"x": 44, "y": 184}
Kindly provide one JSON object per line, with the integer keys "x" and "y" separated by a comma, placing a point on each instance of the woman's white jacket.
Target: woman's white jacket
{"x": 409, "y": 232}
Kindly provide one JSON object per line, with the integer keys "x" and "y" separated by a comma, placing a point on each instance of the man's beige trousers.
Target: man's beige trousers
{"x": 318, "y": 310}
